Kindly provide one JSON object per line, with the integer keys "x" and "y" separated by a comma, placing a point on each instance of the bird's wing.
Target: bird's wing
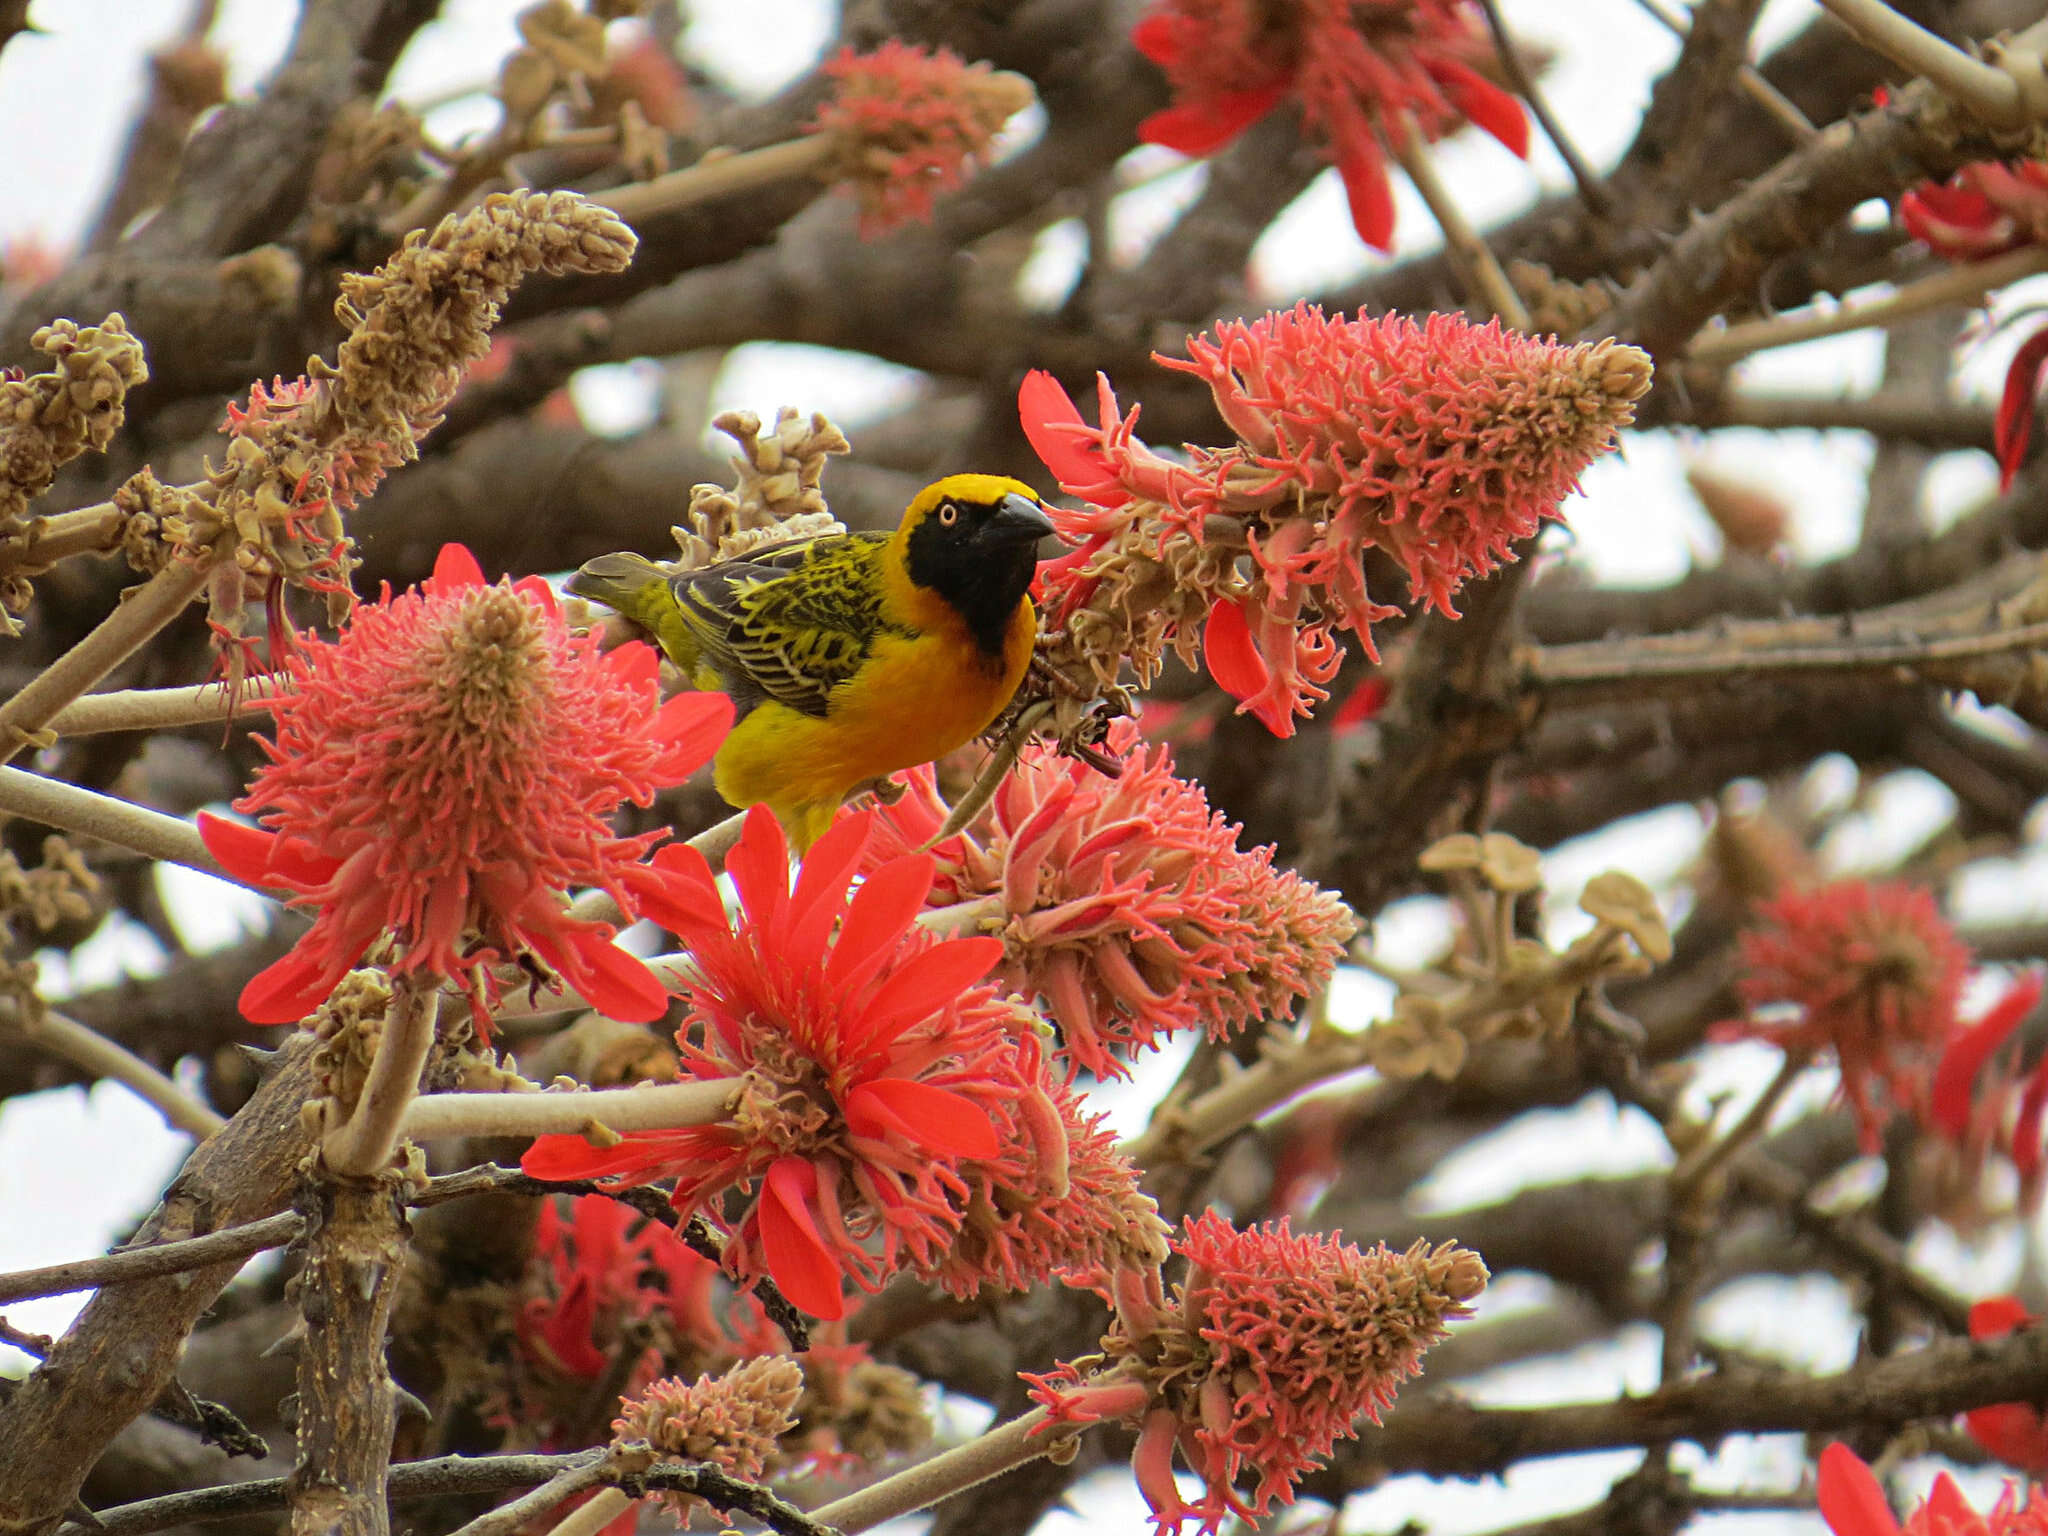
{"x": 791, "y": 621}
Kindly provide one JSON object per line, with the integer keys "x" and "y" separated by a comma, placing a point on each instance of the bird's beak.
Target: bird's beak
{"x": 1018, "y": 520}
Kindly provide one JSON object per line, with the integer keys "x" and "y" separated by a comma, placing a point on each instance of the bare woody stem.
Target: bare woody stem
{"x": 1962, "y": 285}
{"x": 1471, "y": 255}
{"x": 1692, "y": 1173}
{"x": 1989, "y": 93}
{"x": 718, "y": 176}
{"x": 93, "y": 1052}
{"x": 363, "y": 1144}
{"x": 154, "y": 709}
{"x": 1596, "y": 668}
{"x": 87, "y": 531}
{"x": 356, "y": 1243}
{"x": 1759, "y": 90}
{"x": 1277, "y": 1076}
{"x": 508, "y": 1517}
{"x": 965, "y": 1466}
{"x": 656, "y": 1107}
{"x": 144, "y": 610}
{"x": 71, "y": 809}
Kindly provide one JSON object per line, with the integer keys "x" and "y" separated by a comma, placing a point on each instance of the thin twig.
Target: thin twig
{"x": 648, "y": 1107}
{"x": 990, "y": 779}
{"x": 1471, "y": 255}
{"x": 597, "y": 1467}
{"x": 154, "y": 709}
{"x": 950, "y": 1472}
{"x": 1593, "y": 667}
{"x": 1592, "y": 191}
{"x": 722, "y": 176}
{"x": 1691, "y": 1174}
{"x": 237, "y": 1242}
{"x": 1966, "y": 284}
{"x": 467, "y": 1476}
{"x": 363, "y": 1144}
{"x": 1766, "y": 95}
{"x": 91, "y": 530}
{"x": 1987, "y": 92}
{"x": 143, "y": 611}
{"x": 71, "y": 809}
{"x": 94, "y": 1053}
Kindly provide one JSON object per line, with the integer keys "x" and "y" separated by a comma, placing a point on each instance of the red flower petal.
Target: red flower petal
{"x": 679, "y": 892}
{"x": 876, "y": 918}
{"x": 613, "y": 982}
{"x": 1492, "y": 108}
{"x": 571, "y": 1157}
{"x": 1044, "y": 409}
{"x": 2015, "y": 420}
{"x": 286, "y": 990}
{"x": 2026, "y": 1126}
{"x": 759, "y": 866}
{"x": 1996, "y": 1316}
{"x": 922, "y": 986}
{"x": 1956, "y": 1074}
{"x": 1200, "y": 128}
{"x": 823, "y": 880}
{"x": 922, "y": 1115}
{"x": 1368, "y": 191}
{"x": 243, "y": 851}
{"x": 697, "y": 724}
{"x": 454, "y": 568}
{"x": 1850, "y": 1500}
{"x": 797, "y": 1258}
{"x": 1365, "y": 701}
{"x": 1946, "y": 1508}
{"x": 1161, "y": 38}
{"x": 567, "y": 1332}
{"x": 1228, "y": 651}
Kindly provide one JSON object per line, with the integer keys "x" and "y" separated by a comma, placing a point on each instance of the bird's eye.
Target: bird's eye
{"x": 948, "y": 514}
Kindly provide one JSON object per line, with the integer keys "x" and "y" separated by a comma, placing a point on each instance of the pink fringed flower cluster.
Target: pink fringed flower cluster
{"x": 886, "y": 1093}
{"x": 1873, "y": 973}
{"x": 1366, "y": 74}
{"x": 1440, "y": 443}
{"x": 1273, "y": 1349}
{"x": 1127, "y": 905}
{"x": 732, "y": 1421}
{"x": 911, "y": 123}
{"x": 442, "y": 774}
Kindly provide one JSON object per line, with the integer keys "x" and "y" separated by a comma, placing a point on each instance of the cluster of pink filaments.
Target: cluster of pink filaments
{"x": 1440, "y": 443}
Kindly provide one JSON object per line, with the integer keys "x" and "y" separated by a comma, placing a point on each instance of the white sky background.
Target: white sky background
{"x": 76, "y": 1170}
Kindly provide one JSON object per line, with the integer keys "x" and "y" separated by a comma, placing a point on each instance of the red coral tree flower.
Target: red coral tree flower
{"x": 1364, "y": 71}
{"x": 442, "y": 774}
{"x": 1984, "y": 210}
{"x": 2016, "y": 1433}
{"x": 910, "y": 123}
{"x": 1971, "y": 1113}
{"x": 1274, "y": 1349}
{"x": 1127, "y": 905}
{"x": 1874, "y": 973}
{"x": 1853, "y": 1504}
{"x": 874, "y": 1066}
{"x": 1441, "y": 443}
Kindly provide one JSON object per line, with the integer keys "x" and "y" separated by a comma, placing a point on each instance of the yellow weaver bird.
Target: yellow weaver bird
{"x": 851, "y": 655}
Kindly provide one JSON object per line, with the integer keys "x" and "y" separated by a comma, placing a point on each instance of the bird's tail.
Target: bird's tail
{"x": 636, "y": 588}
